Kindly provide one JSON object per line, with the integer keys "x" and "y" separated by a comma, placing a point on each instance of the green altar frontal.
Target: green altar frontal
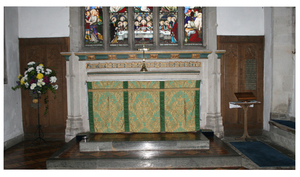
{"x": 144, "y": 106}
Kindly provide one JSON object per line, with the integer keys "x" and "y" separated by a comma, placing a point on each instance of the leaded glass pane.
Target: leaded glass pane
{"x": 118, "y": 26}
{"x": 93, "y": 17}
{"x": 168, "y": 25}
{"x": 143, "y": 25}
{"x": 193, "y": 25}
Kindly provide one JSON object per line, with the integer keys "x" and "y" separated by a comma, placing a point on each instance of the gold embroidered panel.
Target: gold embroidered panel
{"x": 144, "y": 106}
{"x": 180, "y": 107}
{"x": 144, "y": 114}
{"x": 107, "y": 107}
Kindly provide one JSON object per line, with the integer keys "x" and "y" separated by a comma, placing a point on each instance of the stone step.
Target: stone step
{"x": 143, "y": 141}
{"x": 218, "y": 155}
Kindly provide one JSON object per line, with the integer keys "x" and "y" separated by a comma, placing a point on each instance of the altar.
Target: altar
{"x": 144, "y": 106}
{"x": 107, "y": 92}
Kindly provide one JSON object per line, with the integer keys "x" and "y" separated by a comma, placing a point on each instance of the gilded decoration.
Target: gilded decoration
{"x": 196, "y": 55}
{"x": 112, "y": 57}
{"x": 90, "y": 57}
{"x": 148, "y": 64}
{"x": 132, "y": 56}
{"x": 174, "y": 56}
{"x": 153, "y": 56}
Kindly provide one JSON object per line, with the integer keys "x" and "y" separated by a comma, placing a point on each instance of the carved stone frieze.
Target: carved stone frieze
{"x": 148, "y": 64}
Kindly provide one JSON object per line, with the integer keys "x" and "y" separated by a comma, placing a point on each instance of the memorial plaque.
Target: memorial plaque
{"x": 250, "y": 74}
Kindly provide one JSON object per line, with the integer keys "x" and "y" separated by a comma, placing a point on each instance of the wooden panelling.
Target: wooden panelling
{"x": 46, "y": 51}
{"x": 239, "y": 51}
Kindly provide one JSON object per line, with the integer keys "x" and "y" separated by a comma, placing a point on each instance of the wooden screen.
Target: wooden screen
{"x": 242, "y": 71}
{"x": 46, "y": 51}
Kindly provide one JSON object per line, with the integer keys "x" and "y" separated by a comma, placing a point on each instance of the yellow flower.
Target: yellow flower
{"x": 20, "y": 76}
{"x": 22, "y": 81}
{"x": 39, "y": 76}
{"x": 41, "y": 65}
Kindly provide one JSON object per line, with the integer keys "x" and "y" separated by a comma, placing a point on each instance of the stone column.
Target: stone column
{"x": 74, "y": 123}
{"x": 214, "y": 120}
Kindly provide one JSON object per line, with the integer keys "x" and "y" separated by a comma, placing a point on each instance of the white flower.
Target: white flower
{"x": 25, "y": 77}
{"x": 31, "y": 63}
{"x": 30, "y": 69}
{"x": 40, "y": 83}
{"x": 53, "y": 79}
{"x": 55, "y": 87}
{"x": 39, "y": 69}
{"x": 33, "y": 85}
{"x": 48, "y": 71}
{"x": 26, "y": 84}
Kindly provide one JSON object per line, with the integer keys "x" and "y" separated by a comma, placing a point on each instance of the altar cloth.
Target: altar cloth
{"x": 144, "y": 106}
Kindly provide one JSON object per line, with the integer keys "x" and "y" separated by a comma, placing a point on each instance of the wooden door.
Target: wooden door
{"x": 242, "y": 71}
{"x": 46, "y": 51}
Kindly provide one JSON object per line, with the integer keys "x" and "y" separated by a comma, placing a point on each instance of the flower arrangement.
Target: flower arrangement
{"x": 38, "y": 79}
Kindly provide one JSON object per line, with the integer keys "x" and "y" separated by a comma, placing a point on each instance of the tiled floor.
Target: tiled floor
{"x": 26, "y": 155}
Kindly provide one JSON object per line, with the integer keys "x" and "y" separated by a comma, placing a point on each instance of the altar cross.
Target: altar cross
{"x": 143, "y": 69}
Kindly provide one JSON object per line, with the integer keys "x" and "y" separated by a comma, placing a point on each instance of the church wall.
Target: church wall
{"x": 240, "y": 21}
{"x": 13, "y": 125}
{"x": 35, "y": 22}
{"x": 283, "y": 93}
{"x": 268, "y": 53}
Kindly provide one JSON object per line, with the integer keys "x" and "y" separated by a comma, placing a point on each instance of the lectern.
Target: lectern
{"x": 245, "y": 100}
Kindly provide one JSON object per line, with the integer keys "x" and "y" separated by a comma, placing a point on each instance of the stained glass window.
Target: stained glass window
{"x": 168, "y": 25}
{"x": 190, "y": 32}
{"x": 118, "y": 26}
{"x": 143, "y": 25}
{"x": 193, "y": 25}
{"x": 93, "y": 26}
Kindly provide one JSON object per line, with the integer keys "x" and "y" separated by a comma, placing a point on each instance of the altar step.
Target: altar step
{"x": 219, "y": 155}
{"x": 143, "y": 141}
